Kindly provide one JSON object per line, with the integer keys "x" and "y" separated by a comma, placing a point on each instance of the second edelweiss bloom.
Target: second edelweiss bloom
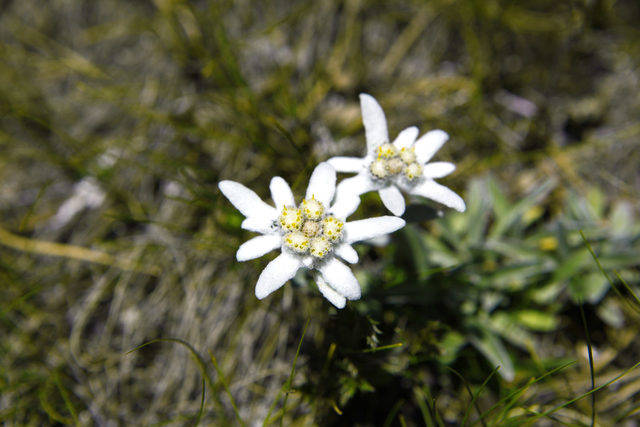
{"x": 312, "y": 234}
{"x": 401, "y": 165}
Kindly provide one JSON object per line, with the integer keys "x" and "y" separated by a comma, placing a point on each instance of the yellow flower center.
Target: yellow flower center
{"x": 394, "y": 165}
{"x": 308, "y": 230}
{"x": 311, "y": 228}
{"x": 391, "y": 162}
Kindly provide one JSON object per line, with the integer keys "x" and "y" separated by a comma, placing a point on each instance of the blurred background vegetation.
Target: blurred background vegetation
{"x": 118, "y": 118}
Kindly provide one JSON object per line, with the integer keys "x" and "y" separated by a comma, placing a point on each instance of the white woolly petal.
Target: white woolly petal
{"x": 428, "y": 144}
{"x": 259, "y": 224}
{"x": 329, "y": 293}
{"x": 322, "y": 184}
{"x": 344, "y": 205}
{"x": 406, "y": 138}
{"x": 258, "y": 246}
{"x": 393, "y": 199}
{"x": 437, "y": 169}
{"x": 375, "y": 124}
{"x": 245, "y": 200}
{"x": 340, "y": 278}
{"x": 307, "y": 261}
{"x": 371, "y": 227}
{"x": 276, "y": 274}
{"x": 378, "y": 241}
{"x": 358, "y": 184}
{"x": 441, "y": 194}
{"x": 346, "y": 164}
{"x": 348, "y": 194}
{"x": 347, "y": 253}
{"x": 281, "y": 193}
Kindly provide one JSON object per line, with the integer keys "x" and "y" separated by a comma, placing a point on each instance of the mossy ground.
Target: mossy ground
{"x": 154, "y": 102}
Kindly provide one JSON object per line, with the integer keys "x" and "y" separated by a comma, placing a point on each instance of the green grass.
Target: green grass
{"x": 156, "y": 102}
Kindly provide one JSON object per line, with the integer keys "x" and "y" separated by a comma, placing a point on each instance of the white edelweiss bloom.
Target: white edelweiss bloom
{"x": 401, "y": 165}
{"x": 312, "y": 234}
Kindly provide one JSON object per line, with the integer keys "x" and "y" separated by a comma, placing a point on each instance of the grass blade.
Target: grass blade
{"x": 590, "y": 351}
{"x": 473, "y": 397}
{"x": 226, "y": 387}
{"x": 196, "y": 356}
{"x": 570, "y": 402}
{"x": 636, "y": 307}
{"x": 201, "y": 410}
{"x": 476, "y": 394}
{"x": 523, "y": 388}
{"x": 285, "y": 388}
{"x": 65, "y": 397}
{"x": 427, "y": 412}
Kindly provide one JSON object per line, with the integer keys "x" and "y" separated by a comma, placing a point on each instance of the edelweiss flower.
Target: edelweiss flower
{"x": 401, "y": 165}
{"x": 311, "y": 235}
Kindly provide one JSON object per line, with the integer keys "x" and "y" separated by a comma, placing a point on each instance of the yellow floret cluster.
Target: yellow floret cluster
{"x": 391, "y": 162}
{"x": 290, "y": 218}
{"x": 312, "y": 208}
{"x": 320, "y": 246}
{"x": 307, "y": 230}
{"x": 387, "y": 151}
{"x": 332, "y": 228}
{"x": 297, "y": 242}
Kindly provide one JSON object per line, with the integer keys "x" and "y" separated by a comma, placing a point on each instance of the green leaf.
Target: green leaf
{"x": 536, "y": 320}
{"x": 499, "y": 200}
{"x": 491, "y": 347}
{"x": 417, "y": 251}
{"x": 570, "y": 266}
{"x": 547, "y": 293}
{"x": 509, "y": 328}
{"x": 450, "y": 344}
{"x": 478, "y": 210}
{"x": 619, "y": 260}
{"x": 590, "y": 287}
{"x": 517, "y": 277}
{"x": 611, "y": 313}
{"x": 596, "y": 201}
{"x": 508, "y": 215}
{"x": 621, "y": 219}
{"x": 436, "y": 252}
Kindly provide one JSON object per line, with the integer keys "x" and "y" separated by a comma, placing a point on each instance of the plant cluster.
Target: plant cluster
{"x": 314, "y": 233}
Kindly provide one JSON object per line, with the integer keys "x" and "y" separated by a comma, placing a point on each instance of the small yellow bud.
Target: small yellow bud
{"x": 312, "y": 208}
{"x": 386, "y": 151}
{"x": 413, "y": 171}
{"x": 297, "y": 242}
{"x": 290, "y": 218}
{"x": 379, "y": 168}
{"x": 319, "y": 247}
{"x": 332, "y": 228}
{"x": 549, "y": 243}
{"x": 408, "y": 155}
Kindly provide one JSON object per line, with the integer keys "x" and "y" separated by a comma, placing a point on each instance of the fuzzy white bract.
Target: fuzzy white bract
{"x": 312, "y": 234}
{"x": 401, "y": 165}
